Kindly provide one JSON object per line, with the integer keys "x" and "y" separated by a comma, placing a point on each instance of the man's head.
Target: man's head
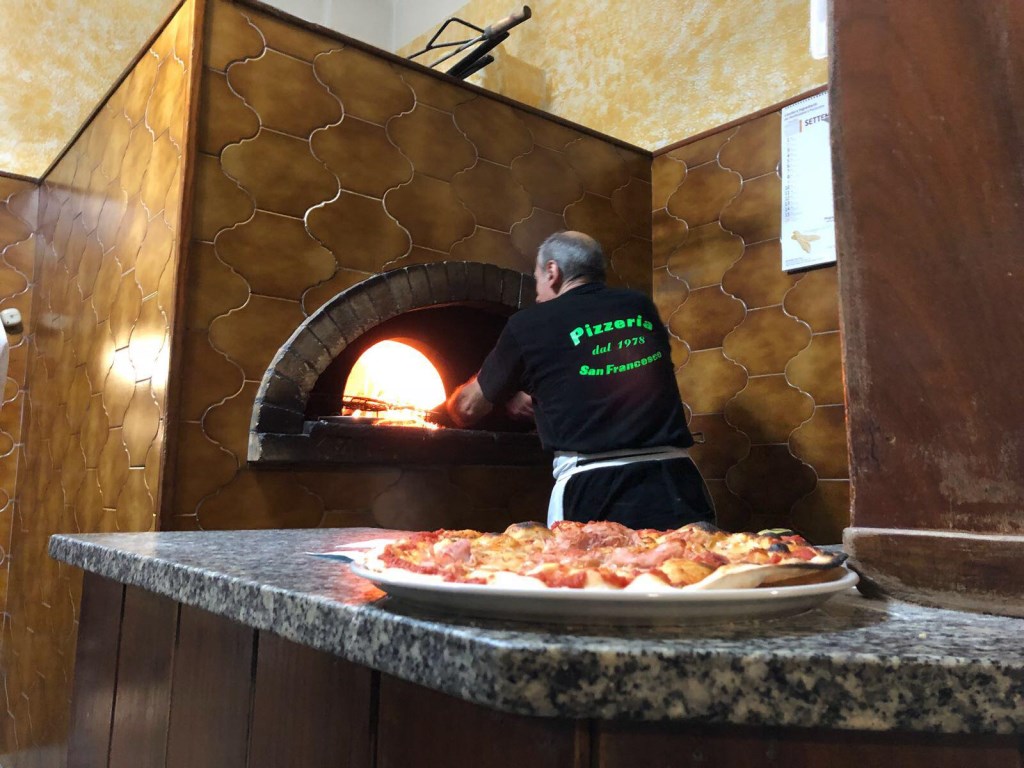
{"x": 567, "y": 259}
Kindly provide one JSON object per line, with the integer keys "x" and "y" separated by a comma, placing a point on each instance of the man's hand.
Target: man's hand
{"x": 520, "y": 407}
{"x": 467, "y": 405}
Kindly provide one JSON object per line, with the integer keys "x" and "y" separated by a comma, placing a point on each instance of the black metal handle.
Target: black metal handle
{"x": 508, "y": 22}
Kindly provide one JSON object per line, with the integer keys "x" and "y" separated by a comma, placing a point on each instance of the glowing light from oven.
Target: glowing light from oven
{"x": 400, "y": 376}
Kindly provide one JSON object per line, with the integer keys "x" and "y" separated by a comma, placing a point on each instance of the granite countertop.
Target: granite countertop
{"x": 853, "y": 663}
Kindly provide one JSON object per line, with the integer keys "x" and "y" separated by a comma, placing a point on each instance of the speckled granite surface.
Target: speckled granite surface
{"x": 853, "y": 663}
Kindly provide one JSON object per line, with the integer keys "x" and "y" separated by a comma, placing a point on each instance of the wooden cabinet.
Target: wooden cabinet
{"x": 162, "y": 684}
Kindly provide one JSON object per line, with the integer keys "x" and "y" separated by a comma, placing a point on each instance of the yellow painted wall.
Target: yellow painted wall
{"x": 651, "y": 72}
{"x": 57, "y": 60}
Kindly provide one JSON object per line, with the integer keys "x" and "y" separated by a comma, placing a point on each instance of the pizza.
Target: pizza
{"x": 604, "y": 555}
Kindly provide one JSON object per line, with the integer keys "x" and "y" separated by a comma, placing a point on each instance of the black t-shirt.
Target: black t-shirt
{"x": 598, "y": 364}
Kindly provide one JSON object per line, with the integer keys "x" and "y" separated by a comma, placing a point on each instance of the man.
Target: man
{"x": 596, "y": 362}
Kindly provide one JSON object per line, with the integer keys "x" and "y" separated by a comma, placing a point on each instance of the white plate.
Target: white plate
{"x": 575, "y": 606}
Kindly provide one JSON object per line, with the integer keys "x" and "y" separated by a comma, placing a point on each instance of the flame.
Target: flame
{"x": 399, "y": 375}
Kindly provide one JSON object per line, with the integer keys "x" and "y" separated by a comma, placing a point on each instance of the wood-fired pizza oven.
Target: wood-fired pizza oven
{"x": 450, "y": 312}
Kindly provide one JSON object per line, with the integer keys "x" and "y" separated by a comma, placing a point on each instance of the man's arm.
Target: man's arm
{"x": 467, "y": 404}
{"x": 520, "y": 407}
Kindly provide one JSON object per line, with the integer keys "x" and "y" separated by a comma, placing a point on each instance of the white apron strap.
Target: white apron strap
{"x": 566, "y": 465}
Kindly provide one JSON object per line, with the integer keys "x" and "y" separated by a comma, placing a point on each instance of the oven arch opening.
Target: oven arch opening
{"x": 452, "y": 312}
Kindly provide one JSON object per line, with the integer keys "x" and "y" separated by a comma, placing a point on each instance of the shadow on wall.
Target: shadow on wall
{"x": 757, "y": 350}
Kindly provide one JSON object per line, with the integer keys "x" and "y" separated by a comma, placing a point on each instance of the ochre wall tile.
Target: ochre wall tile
{"x": 125, "y": 312}
{"x": 704, "y": 255}
{"x": 491, "y": 247}
{"x": 598, "y": 165}
{"x": 362, "y": 235}
{"x": 667, "y": 174}
{"x": 203, "y": 467}
{"x": 421, "y": 499}
{"x": 430, "y": 211}
{"x": 703, "y": 150}
{"x": 771, "y": 480}
{"x": 261, "y": 500}
{"x": 366, "y": 160}
{"x": 706, "y": 317}
{"x": 226, "y": 204}
{"x": 428, "y": 138}
{"x": 494, "y": 129}
{"x": 215, "y": 377}
{"x": 757, "y": 279}
{"x": 148, "y": 339}
{"x": 226, "y": 421}
{"x": 755, "y": 148}
{"x": 318, "y": 295}
{"x": 154, "y": 256}
{"x": 629, "y": 265}
{"x": 275, "y": 239}
{"x": 435, "y": 91}
{"x": 372, "y": 89}
{"x": 141, "y": 422}
{"x": 732, "y": 512}
{"x": 595, "y": 215}
{"x": 250, "y": 335}
{"x": 285, "y": 93}
{"x": 825, "y": 512}
{"x": 768, "y": 409}
{"x": 723, "y": 445}
{"x": 548, "y": 178}
{"x": 529, "y": 233}
{"x": 815, "y": 300}
{"x": 287, "y": 38}
{"x": 281, "y": 171}
{"x": 492, "y": 195}
{"x": 709, "y": 380}
{"x": 702, "y": 195}
{"x": 766, "y": 340}
{"x": 548, "y": 133}
{"x": 754, "y": 213}
{"x": 667, "y": 234}
{"x": 224, "y": 116}
{"x": 821, "y": 442}
{"x": 813, "y": 369}
{"x": 632, "y": 202}
{"x": 213, "y": 288}
{"x": 669, "y": 291}
{"x": 229, "y": 36}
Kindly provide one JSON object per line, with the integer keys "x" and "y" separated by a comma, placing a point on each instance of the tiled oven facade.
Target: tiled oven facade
{"x": 757, "y": 350}
{"x": 95, "y": 376}
{"x": 320, "y": 165}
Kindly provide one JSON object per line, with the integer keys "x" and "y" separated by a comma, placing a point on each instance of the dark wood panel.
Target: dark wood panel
{"x": 139, "y": 734}
{"x": 927, "y": 104}
{"x": 627, "y": 745}
{"x": 310, "y": 709}
{"x": 92, "y": 695}
{"x": 210, "y": 692}
{"x": 980, "y": 573}
{"x": 423, "y": 728}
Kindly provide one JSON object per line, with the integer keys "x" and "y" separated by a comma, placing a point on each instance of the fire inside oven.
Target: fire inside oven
{"x": 393, "y": 383}
{"x": 401, "y": 372}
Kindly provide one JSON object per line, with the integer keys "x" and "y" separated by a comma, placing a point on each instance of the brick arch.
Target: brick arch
{"x": 280, "y": 405}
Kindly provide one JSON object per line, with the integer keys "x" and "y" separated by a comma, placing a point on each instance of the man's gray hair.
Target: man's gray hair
{"x": 577, "y": 255}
